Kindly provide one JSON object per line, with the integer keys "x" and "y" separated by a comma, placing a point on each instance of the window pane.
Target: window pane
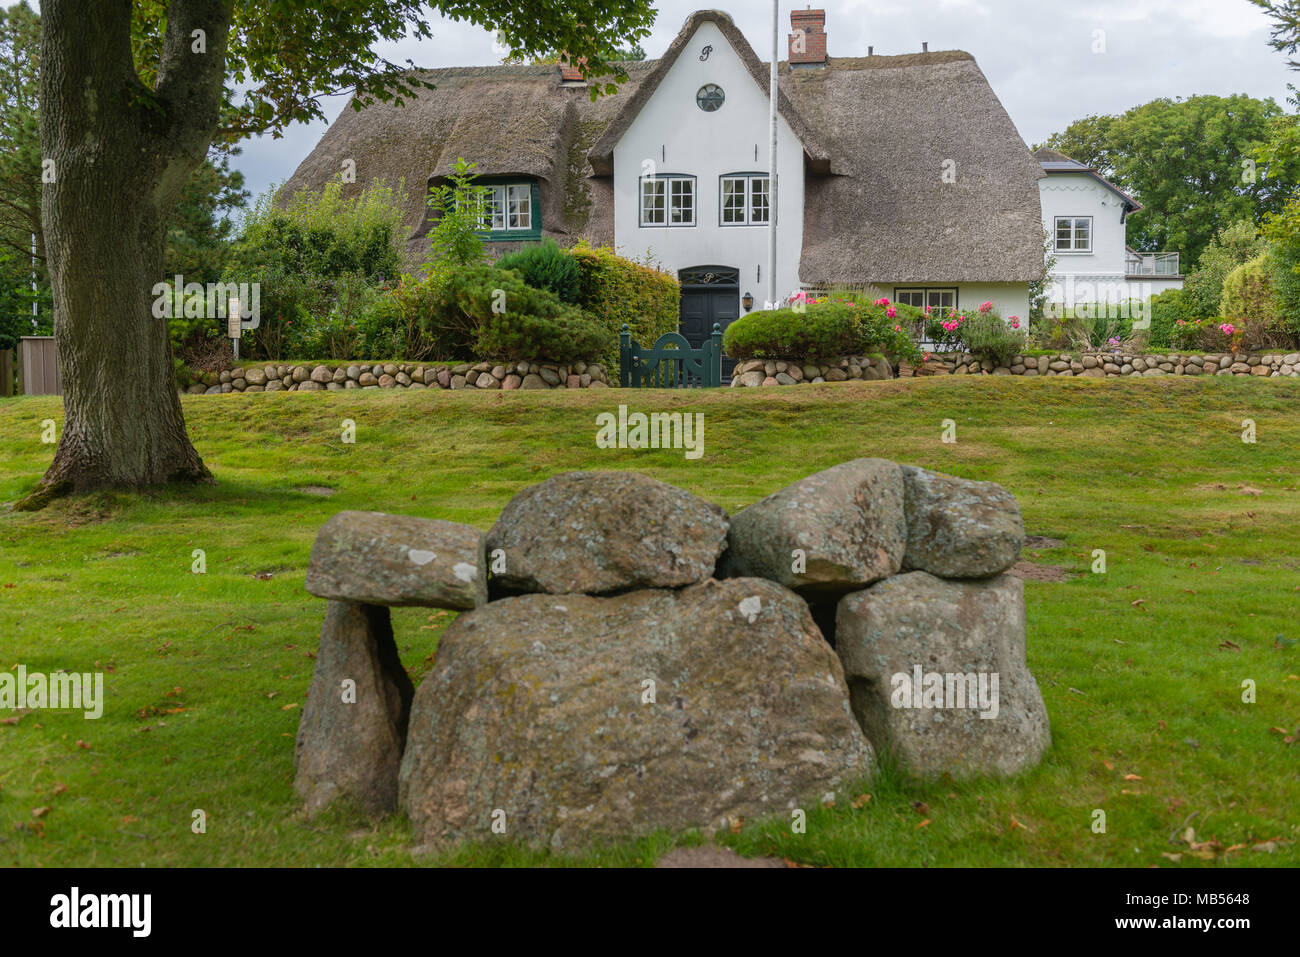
{"x": 911, "y": 297}
{"x": 521, "y": 207}
{"x": 733, "y": 200}
{"x": 1082, "y": 234}
{"x": 652, "y": 202}
{"x": 759, "y": 204}
{"x": 683, "y": 201}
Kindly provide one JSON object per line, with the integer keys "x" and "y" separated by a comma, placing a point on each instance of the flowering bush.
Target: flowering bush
{"x": 983, "y": 333}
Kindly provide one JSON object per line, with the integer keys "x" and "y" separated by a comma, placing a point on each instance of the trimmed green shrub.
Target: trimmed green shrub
{"x": 614, "y": 290}
{"x": 562, "y": 338}
{"x": 823, "y": 329}
{"x": 1167, "y": 309}
{"x": 487, "y": 312}
{"x": 1249, "y": 293}
{"x": 545, "y": 265}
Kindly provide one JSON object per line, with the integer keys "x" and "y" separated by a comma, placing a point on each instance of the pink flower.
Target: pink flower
{"x": 987, "y": 307}
{"x": 898, "y": 328}
{"x": 892, "y": 313}
{"x": 1227, "y": 328}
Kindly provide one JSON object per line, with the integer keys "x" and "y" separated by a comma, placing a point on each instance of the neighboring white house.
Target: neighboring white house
{"x": 899, "y": 172}
{"x": 1086, "y": 219}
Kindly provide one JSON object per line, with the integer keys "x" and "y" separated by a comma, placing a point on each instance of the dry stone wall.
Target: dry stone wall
{"x": 640, "y": 659}
{"x": 279, "y": 377}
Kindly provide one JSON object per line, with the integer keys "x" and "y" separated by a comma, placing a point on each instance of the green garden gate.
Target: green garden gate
{"x": 671, "y": 363}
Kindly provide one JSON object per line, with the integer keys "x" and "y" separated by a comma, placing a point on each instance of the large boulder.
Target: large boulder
{"x": 567, "y": 719}
{"x": 957, "y": 528}
{"x": 379, "y": 559}
{"x": 833, "y": 532}
{"x": 937, "y": 674}
{"x": 353, "y": 726}
{"x": 601, "y": 532}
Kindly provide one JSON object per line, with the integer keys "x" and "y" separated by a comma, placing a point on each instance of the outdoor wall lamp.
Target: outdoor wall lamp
{"x": 747, "y": 301}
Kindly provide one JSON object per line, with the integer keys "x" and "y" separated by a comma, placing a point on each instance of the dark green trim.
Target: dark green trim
{"x": 532, "y": 235}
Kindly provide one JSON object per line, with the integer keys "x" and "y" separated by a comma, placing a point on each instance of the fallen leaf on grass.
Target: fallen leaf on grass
{"x": 925, "y": 823}
{"x": 1139, "y": 603}
{"x": 1132, "y": 777}
{"x": 40, "y": 811}
{"x": 920, "y": 807}
{"x": 1173, "y": 857}
{"x": 84, "y": 745}
{"x": 289, "y": 707}
{"x": 860, "y": 801}
{"x": 1229, "y": 646}
{"x": 60, "y": 788}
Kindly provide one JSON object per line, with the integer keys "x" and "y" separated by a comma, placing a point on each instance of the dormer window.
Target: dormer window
{"x": 510, "y": 211}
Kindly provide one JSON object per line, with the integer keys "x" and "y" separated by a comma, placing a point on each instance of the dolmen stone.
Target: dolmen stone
{"x": 398, "y": 560}
{"x": 833, "y": 532}
{"x": 564, "y": 719}
{"x": 958, "y": 528}
{"x": 937, "y": 674}
{"x": 601, "y": 532}
{"x": 353, "y": 727}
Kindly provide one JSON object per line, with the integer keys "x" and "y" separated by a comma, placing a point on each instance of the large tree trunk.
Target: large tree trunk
{"x": 122, "y": 152}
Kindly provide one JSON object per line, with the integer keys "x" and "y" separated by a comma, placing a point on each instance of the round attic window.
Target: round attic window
{"x": 710, "y": 98}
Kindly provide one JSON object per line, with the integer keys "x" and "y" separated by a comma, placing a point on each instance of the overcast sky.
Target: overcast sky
{"x": 1038, "y": 54}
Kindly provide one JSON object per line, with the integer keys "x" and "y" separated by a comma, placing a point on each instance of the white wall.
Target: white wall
{"x": 676, "y": 136}
{"x": 1101, "y": 273}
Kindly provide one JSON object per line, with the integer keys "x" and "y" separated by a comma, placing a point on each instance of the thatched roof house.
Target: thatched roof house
{"x": 900, "y": 171}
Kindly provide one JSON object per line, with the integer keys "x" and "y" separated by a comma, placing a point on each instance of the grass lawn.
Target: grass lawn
{"x": 1141, "y": 667}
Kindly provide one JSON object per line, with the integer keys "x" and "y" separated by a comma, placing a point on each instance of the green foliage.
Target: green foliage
{"x": 986, "y": 336}
{"x": 1234, "y": 245}
{"x": 615, "y": 291}
{"x": 456, "y": 238}
{"x": 1249, "y": 293}
{"x": 309, "y": 259}
{"x": 1167, "y": 310}
{"x": 1182, "y": 159}
{"x": 545, "y": 265}
{"x": 16, "y": 299}
{"x": 200, "y": 229}
{"x": 491, "y": 313}
{"x": 395, "y": 326}
{"x": 824, "y": 329}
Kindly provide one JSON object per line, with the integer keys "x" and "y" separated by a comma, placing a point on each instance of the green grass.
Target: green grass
{"x": 1141, "y": 667}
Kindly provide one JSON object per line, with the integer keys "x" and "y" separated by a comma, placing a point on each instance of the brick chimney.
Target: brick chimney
{"x": 570, "y": 72}
{"x": 808, "y": 39}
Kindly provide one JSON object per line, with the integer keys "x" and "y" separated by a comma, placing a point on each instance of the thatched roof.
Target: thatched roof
{"x": 876, "y": 132}
{"x": 1053, "y": 161}
{"x": 510, "y": 120}
{"x": 602, "y": 155}
{"x": 886, "y": 213}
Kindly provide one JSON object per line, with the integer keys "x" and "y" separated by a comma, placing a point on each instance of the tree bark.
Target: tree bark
{"x": 122, "y": 153}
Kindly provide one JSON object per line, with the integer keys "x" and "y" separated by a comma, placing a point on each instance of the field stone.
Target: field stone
{"x": 848, "y": 521}
{"x": 945, "y": 627}
{"x": 398, "y": 560}
{"x": 353, "y": 748}
{"x": 599, "y": 532}
{"x": 957, "y": 528}
{"x": 535, "y": 707}
{"x": 254, "y": 376}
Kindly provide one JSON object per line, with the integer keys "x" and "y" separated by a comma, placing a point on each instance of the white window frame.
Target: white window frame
{"x": 926, "y": 294}
{"x": 496, "y": 205}
{"x": 668, "y": 191}
{"x": 750, "y": 180}
{"x": 1074, "y": 249}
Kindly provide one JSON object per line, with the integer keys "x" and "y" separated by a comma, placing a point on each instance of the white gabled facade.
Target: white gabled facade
{"x": 1086, "y": 218}
{"x": 672, "y": 136}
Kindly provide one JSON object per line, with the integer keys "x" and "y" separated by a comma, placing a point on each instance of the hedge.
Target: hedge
{"x": 614, "y": 290}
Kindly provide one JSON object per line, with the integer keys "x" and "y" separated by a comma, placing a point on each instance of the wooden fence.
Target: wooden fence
{"x": 38, "y": 366}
